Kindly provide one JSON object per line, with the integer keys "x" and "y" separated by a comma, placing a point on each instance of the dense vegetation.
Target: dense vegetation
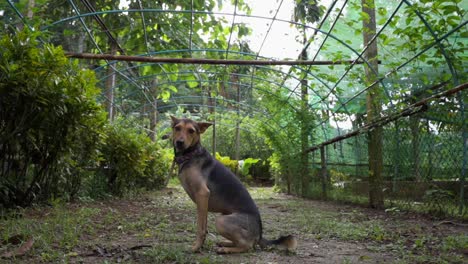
{"x": 55, "y": 141}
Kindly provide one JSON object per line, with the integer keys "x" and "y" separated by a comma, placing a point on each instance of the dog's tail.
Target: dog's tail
{"x": 285, "y": 242}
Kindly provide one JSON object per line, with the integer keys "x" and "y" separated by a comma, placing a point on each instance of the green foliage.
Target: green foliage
{"x": 228, "y": 162}
{"x": 50, "y": 122}
{"x": 248, "y": 163}
{"x": 337, "y": 176}
{"x": 53, "y": 134}
{"x": 437, "y": 200}
{"x": 131, "y": 161}
{"x": 307, "y": 11}
{"x": 252, "y": 141}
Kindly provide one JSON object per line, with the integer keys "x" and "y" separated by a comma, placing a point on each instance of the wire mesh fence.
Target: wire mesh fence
{"x": 424, "y": 161}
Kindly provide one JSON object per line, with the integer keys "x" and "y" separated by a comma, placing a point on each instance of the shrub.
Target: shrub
{"x": 228, "y": 162}
{"x": 49, "y": 120}
{"x": 337, "y": 176}
{"x": 247, "y": 165}
{"x": 131, "y": 160}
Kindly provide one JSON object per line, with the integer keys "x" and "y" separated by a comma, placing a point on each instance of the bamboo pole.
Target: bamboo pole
{"x": 408, "y": 111}
{"x": 92, "y": 56}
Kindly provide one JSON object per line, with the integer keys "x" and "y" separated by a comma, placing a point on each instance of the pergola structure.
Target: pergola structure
{"x": 325, "y": 58}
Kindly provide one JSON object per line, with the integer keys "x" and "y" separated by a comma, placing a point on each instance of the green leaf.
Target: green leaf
{"x": 364, "y": 16}
{"x": 382, "y": 11}
{"x": 173, "y": 88}
{"x": 165, "y": 95}
{"x": 192, "y": 82}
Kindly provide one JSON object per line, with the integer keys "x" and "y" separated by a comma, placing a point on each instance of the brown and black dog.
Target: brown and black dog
{"x": 214, "y": 188}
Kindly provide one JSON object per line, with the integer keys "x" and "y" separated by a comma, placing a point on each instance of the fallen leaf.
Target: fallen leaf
{"x": 364, "y": 257}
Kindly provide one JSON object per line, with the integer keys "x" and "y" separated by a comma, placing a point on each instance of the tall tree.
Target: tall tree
{"x": 305, "y": 12}
{"x": 373, "y": 105}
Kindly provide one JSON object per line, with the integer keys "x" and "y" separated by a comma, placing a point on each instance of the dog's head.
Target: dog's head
{"x": 186, "y": 132}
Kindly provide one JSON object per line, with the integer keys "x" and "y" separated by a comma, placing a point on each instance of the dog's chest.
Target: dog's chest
{"x": 191, "y": 180}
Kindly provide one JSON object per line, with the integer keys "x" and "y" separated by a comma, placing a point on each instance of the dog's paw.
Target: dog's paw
{"x": 224, "y": 244}
{"x": 222, "y": 250}
{"x": 196, "y": 247}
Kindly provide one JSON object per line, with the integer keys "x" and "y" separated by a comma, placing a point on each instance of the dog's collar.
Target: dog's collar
{"x": 188, "y": 154}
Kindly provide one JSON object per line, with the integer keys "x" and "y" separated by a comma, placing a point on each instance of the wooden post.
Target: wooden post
{"x": 462, "y": 101}
{"x": 213, "y": 98}
{"x": 323, "y": 172}
{"x": 414, "y": 125}
{"x": 235, "y": 81}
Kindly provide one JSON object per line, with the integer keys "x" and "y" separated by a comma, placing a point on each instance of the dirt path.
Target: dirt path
{"x": 160, "y": 227}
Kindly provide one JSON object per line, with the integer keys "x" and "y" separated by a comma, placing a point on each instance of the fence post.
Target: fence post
{"x": 323, "y": 171}
{"x": 396, "y": 160}
{"x": 213, "y": 143}
{"x": 464, "y": 138}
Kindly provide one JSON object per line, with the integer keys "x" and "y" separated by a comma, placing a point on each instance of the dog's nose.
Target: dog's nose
{"x": 179, "y": 143}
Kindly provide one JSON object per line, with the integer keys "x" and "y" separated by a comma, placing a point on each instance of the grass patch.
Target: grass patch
{"x": 432, "y": 205}
{"x": 261, "y": 193}
{"x": 167, "y": 254}
{"x": 178, "y": 254}
{"x": 455, "y": 243}
{"x": 332, "y": 225}
{"x": 55, "y": 233}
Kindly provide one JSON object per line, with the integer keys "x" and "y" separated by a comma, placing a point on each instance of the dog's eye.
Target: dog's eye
{"x": 191, "y": 131}
{"x": 177, "y": 129}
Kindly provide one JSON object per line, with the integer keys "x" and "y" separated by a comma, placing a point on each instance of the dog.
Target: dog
{"x": 214, "y": 188}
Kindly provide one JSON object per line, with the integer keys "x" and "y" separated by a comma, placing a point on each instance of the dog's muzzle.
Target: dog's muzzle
{"x": 179, "y": 144}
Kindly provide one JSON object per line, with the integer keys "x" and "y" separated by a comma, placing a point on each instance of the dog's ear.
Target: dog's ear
{"x": 203, "y": 126}
{"x": 175, "y": 120}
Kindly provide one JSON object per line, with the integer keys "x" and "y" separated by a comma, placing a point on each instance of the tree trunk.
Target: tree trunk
{"x": 110, "y": 83}
{"x": 304, "y": 126}
{"x": 153, "y": 111}
{"x": 374, "y": 107}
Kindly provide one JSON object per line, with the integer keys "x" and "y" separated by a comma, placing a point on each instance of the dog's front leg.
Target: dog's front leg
{"x": 201, "y": 199}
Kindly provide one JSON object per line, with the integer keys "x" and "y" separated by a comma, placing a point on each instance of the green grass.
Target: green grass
{"x": 55, "y": 234}
{"x": 178, "y": 254}
{"x": 442, "y": 209}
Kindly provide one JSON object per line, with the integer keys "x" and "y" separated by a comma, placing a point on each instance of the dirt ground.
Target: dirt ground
{"x": 160, "y": 228}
